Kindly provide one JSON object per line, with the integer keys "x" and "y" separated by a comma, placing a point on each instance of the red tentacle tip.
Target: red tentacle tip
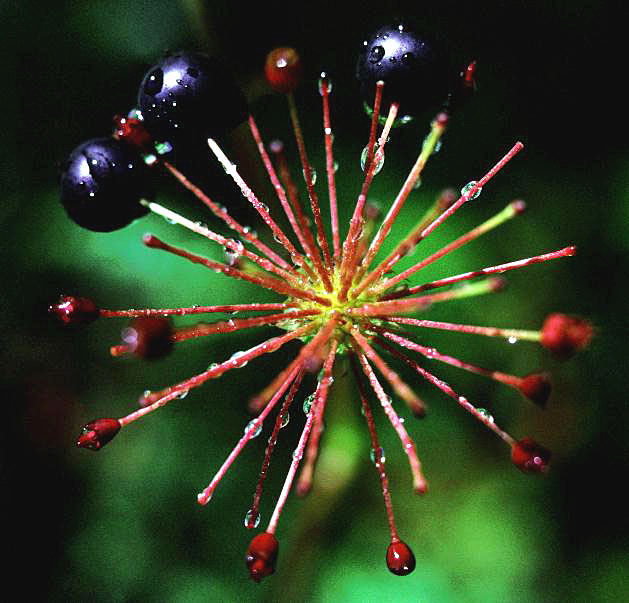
{"x": 283, "y": 69}
{"x": 75, "y": 310}
{"x": 564, "y": 335}
{"x": 519, "y": 206}
{"x": 528, "y": 456}
{"x": 400, "y": 559}
{"x": 96, "y": 434}
{"x": 262, "y": 555}
{"x": 536, "y": 387}
{"x": 149, "y": 336}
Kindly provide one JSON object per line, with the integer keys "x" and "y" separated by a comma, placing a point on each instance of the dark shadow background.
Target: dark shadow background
{"x": 124, "y": 525}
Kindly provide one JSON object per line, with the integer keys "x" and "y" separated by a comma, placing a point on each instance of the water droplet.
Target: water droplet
{"x": 323, "y": 80}
{"x": 485, "y": 413}
{"x": 183, "y": 394}
{"x": 285, "y": 420}
{"x": 512, "y": 339}
{"x": 234, "y": 359}
{"x": 297, "y": 454}
{"x": 328, "y": 131}
{"x": 468, "y": 187}
{"x": 336, "y": 166}
{"x": 417, "y": 183}
{"x": 376, "y": 54}
{"x": 308, "y": 403}
{"x": 252, "y": 425}
{"x": 377, "y": 456}
{"x": 251, "y": 520}
{"x": 154, "y": 82}
{"x": 437, "y": 147}
{"x": 363, "y": 158}
{"x": 313, "y": 176}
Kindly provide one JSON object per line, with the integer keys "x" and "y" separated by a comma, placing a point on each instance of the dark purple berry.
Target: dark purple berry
{"x": 188, "y": 97}
{"x": 414, "y": 69}
{"x": 102, "y": 183}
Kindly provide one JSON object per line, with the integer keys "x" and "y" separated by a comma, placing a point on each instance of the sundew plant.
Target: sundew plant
{"x": 338, "y": 293}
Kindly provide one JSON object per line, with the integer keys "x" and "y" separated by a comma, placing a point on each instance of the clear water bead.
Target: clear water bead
{"x": 377, "y": 455}
{"x": 485, "y": 413}
{"x": 252, "y": 425}
{"x": 469, "y": 186}
{"x": 251, "y": 520}
{"x": 313, "y": 176}
{"x": 285, "y": 420}
{"x": 363, "y": 159}
{"x": 323, "y": 80}
{"x": 308, "y": 403}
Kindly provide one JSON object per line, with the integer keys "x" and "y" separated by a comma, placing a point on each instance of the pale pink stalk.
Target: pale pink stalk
{"x": 304, "y": 483}
{"x": 250, "y": 432}
{"x": 222, "y": 213}
{"x": 446, "y": 389}
{"x": 414, "y": 403}
{"x": 512, "y": 334}
{"x": 305, "y": 163}
{"x": 308, "y": 246}
{"x": 438, "y": 127}
{"x": 356, "y": 222}
{"x": 263, "y": 281}
{"x": 166, "y": 395}
{"x": 136, "y": 313}
{"x": 375, "y": 446}
{"x": 236, "y": 247}
{"x": 513, "y": 209}
{"x": 330, "y": 169}
{"x": 499, "y": 269}
{"x": 419, "y": 482}
{"x": 290, "y": 396}
{"x": 260, "y": 207}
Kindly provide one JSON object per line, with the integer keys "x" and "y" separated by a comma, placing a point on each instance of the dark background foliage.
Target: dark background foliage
{"x": 124, "y": 525}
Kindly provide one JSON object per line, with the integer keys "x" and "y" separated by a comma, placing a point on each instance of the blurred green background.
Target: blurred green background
{"x": 124, "y": 525}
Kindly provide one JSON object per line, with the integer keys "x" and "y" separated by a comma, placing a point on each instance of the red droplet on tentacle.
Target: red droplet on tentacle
{"x": 283, "y": 69}
{"x": 528, "y": 456}
{"x": 536, "y": 387}
{"x": 564, "y": 335}
{"x": 75, "y": 310}
{"x": 132, "y": 130}
{"x": 97, "y": 433}
{"x": 262, "y": 555}
{"x": 400, "y": 559}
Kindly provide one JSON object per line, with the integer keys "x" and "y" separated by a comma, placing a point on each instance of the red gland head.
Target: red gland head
{"x": 528, "y": 456}
{"x": 132, "y": 130}
{"x": 564, "y": 335}
{"x": 149, "y": 336}
{"x": 75, "y": 310}
{"x": 283, "y": 69}
{"x": 262, "y": 555}
{"x": 536, "y": 387}
{"x": 97, "y": 433}
{"x": 400, "y": 559}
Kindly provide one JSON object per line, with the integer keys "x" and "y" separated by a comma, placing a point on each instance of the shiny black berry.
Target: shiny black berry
{"x": 102, "y": 183}
{"x": 414, "y": 69}
{"x": 188, "y": 97}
